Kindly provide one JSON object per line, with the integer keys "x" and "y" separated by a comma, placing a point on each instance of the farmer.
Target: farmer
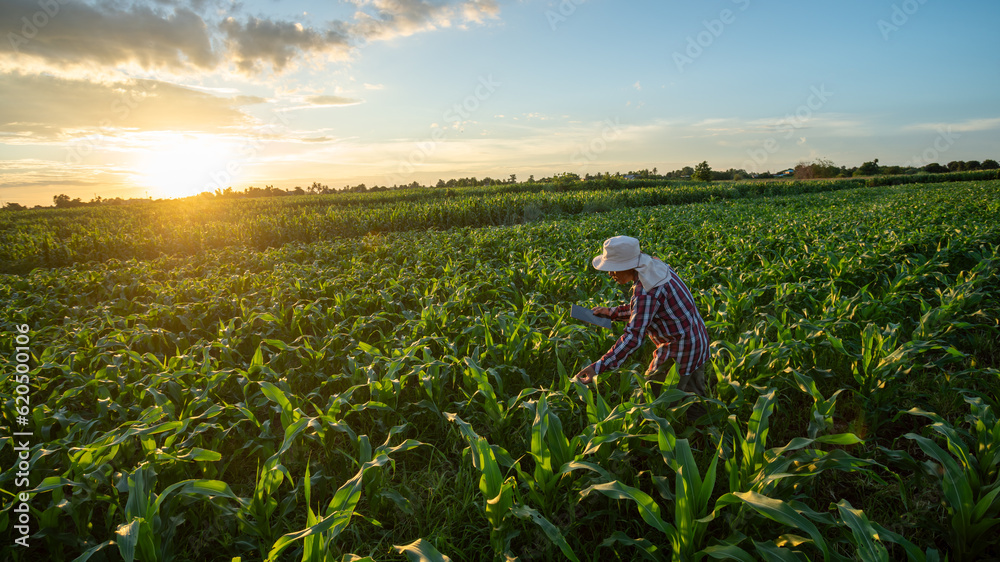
{"x": 661, "y": 306}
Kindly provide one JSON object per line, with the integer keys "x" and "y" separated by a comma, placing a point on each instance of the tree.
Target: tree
{"x": 564, "y": 181}
{"x": 973, "y": 165}
{"x": 821, "y": 168}
{"x": 868, "y": 169}
{"x": 990, "y": 164}
{"x": 702, "y": 172}
{"x": 935, "y": 168}
{"x": 63, "y": 201}
{"x": 317, "y": 187}
{"x": 956, "y": 166}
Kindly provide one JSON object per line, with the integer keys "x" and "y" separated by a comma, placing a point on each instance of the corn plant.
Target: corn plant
{"x": 552, "y": 532}
{"x": 821, "y": 418}
{"x": 753, "y": 467}
{"x": 314, "y": 548}
{"x": 551, "y": 451}
{"x": 880, "y": 349}
{"x": 747, "y": 469}
{"x": 257, "y": 516}
{"x": 869, "y": 538}
{"x": 323, "y": 529}
{"x": 789, "y": 513}
{"x": 865, "y": 538}
{"x": 691, "y": 495}
{"x": 481, "y": 379}
{"x": 969, "y": 478}
{"x": 497, "y": 491}
{"x": 150, "y": 523}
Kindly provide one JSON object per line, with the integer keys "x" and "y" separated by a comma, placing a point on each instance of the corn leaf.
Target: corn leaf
{"x": 784, "y": 513}
{"x": 865, "y": 536}
{"x": 338, "y": 513}
{"x": 649, "y": 510}
{"x": 421, "y": 551}
{"x": 551, "y": 531}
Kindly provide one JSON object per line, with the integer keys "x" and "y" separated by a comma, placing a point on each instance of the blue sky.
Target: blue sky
{"x": 174, "y": 97}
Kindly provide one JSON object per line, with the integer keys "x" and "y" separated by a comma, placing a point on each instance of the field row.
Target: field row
{"x": 63, "y": 237}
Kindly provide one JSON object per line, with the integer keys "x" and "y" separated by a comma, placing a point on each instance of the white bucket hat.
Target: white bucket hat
{"x": 621, "y": 253}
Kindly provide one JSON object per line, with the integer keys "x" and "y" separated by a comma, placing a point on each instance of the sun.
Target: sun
{"x": 175, "y": 165}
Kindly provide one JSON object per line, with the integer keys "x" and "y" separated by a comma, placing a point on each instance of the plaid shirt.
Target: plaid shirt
{"x": 669, "y": 314}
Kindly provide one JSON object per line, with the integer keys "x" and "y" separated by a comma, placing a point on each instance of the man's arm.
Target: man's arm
{"x": 586, "y": 375}
{"x": 643, "y": 307}
{"x": 617, "y": 313}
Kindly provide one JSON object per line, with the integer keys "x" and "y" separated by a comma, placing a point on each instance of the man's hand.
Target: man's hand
{"x": 601, "y": 311}
{"x": 586, "y": 375}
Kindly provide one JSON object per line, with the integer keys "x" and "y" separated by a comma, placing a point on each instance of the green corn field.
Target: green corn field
{"x": 327, "y": 378}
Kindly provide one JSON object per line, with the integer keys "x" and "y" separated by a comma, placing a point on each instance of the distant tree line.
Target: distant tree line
{"x": 817, "y": 169}
{"x": 826, "y": 169}
{"x": 820, "y": 169}
{"x": 63, "y": 201}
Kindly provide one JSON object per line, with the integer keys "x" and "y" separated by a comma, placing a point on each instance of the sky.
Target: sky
{"x": 170, "y": 98}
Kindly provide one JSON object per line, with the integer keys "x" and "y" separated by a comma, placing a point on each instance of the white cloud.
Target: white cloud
{"x": 193, "y": 37}
{"x": 320, "y": 101}
{"x": 968, "y": 126}
{"x": 258, "y": 41}
{"x": 481, "y": 10}
{"x": 382, "y": 20}
{"x": 40, "y": 109}
{"x": 108, "y": 34}
{"x": 331, "y": 101}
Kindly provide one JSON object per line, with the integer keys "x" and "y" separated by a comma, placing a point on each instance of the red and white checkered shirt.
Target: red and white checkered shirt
{"x": 669, "y": 315}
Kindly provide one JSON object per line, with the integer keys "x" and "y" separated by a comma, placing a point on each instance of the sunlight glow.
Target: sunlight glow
{"x": 175, "y": 165}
